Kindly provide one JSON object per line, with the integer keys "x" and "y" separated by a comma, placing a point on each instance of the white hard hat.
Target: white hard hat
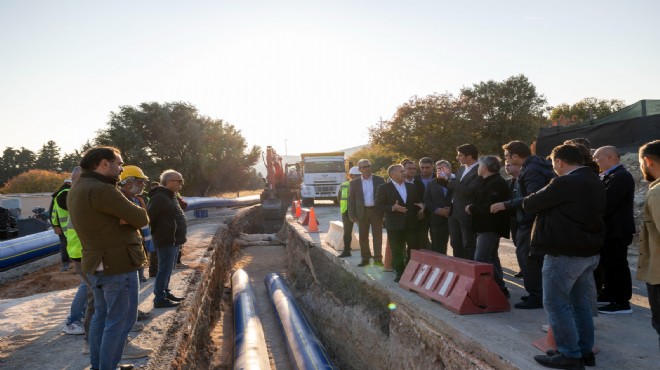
{"x": 354, "y": 171}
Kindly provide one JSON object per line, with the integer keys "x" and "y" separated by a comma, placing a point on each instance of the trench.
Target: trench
{"x": 361, "y": 324}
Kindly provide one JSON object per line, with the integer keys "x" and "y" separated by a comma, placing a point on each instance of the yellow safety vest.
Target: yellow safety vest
{"x": 343, "y": 202}
{"x": 59, "y": 217}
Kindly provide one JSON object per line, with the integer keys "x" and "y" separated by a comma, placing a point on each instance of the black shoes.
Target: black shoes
{"x": 165, "y": 303}
{"x": 344, "y": 254}
{"x": 518, "y": 275}
{"x": 557, "y": 360}
{"x": 174, "y": 298}
{"x": 397, "y": 278}
{"x": 589, "y": 358}
{"x": 529, "y": 304}
{"x": 363, "y": 263}
{"x": 615, "y": 309}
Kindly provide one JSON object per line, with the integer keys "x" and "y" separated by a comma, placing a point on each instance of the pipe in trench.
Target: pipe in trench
{"x": 250, "y": 351}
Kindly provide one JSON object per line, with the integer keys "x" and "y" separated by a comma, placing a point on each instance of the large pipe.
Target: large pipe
{"x": 305, "y": 349}
{"x": 15, "y": 252}
{"x": 250, "y": 351}
{"x": 209, "y": 202}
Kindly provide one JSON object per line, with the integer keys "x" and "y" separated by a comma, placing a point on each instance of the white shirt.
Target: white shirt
{"x": 468, "y": 169}
{"x": 401, "y": 188}
{"x": 368, "y": 191}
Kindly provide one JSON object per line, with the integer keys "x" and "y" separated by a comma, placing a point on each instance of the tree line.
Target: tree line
{"x": 487, "y": 114}
{"x": 214, "y": 156}
{"x": 211, "y": 154}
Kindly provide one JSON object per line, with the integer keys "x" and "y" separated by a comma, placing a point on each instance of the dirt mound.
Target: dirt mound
{"x": 44, "y": 280}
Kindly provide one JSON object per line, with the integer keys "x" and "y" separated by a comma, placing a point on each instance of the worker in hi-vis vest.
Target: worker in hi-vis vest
{"x": 353, "y": 173}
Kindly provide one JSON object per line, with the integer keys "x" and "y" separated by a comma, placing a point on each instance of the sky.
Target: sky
{"x": 304, "y": 76}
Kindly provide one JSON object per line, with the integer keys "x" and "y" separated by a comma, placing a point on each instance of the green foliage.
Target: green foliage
{"x": 487, "y": 115}
{"x": 48, "y": 157}
{"x": 583, "y": 110}
{"x": 35, "y": 181}
{"x": 14, "y": 162}
{"x": 211, "y": 154}
{"x": 378, "y": 155}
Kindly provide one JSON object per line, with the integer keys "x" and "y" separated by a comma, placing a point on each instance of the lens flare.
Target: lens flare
{"x": 391, "y": 306}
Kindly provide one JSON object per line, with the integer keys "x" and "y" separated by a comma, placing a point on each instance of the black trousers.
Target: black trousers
{"x": 439, "y": 238}
{"x": 531, "y": 265}
{"x": 654, "y": 301}
{"x": 615, "y": 279}
{"x": 348, "y": 231}
{"x": 463, "y": 238}
{"x": 398, "y": 240}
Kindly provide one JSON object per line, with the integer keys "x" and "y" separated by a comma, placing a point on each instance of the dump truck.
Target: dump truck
{"x": 322, "y": 174}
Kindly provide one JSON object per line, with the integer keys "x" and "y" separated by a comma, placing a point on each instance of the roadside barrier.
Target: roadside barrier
{"x": 335, "y": 237}
{"x": 462, "y": 286}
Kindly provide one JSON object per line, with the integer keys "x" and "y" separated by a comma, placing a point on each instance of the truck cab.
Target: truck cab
{"x": 323, "y": 173}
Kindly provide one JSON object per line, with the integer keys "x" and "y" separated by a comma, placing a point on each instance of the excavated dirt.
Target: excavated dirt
{"x": 44, "y": 280}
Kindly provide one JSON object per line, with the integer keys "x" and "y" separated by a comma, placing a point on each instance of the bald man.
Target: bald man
{"x": 615, "y": 277}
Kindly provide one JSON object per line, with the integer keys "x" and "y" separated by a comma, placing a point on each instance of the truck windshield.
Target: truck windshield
{"x": 324, "y": 166}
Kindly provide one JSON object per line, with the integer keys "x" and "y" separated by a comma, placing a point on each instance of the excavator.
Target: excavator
{"x": 281, "y": 189}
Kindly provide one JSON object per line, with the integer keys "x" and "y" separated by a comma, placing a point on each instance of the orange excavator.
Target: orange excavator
{"x": 281, "y": 189}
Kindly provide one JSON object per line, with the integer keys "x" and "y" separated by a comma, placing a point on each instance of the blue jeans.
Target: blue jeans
{"x": 166, "y": 262}
{"x": 488, "y": 245}
{"x": 567, "y": 294}
{"x": 133, "y": 297}
{"x": 79, "y": 300}
{"x": 108, "y": 334}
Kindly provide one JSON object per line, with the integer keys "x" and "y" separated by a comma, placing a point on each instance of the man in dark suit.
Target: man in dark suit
{"x": 464, "y": 186}
{"x": 437, "y": 199}
{"x": 619, "y": 228}
{"x": 410, "y": 176}
{"x": 401, "y": 204}
{"x": 362, "y": 209}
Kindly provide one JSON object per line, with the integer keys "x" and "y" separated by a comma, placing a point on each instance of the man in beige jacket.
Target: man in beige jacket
{"x": 648, "y": 267}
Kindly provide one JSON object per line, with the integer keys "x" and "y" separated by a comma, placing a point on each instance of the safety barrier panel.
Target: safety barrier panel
{"x": 305, "y": 349}
{"x": 335, "y": 237}
{"x": 250, "y": 351}
{"x": 462, "y": 286}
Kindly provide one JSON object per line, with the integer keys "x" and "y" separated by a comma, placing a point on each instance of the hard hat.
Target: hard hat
{"x": 67, "y": 181}
{"x": 132, "y": 171}
{"x": 354, "y": 171}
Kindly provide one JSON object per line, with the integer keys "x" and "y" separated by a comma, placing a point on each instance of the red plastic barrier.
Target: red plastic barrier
{"x": 462, "y": 286}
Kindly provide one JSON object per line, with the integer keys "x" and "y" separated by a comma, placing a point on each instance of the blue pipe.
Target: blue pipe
{"x": 250, "y": 351}
{"x": 305, "y": 349}
{"x": 15, "y": 252}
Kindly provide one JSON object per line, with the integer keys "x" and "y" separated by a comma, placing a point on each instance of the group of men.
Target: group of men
{"x": 111, "y": 226}
{"x": 570, "y": 218}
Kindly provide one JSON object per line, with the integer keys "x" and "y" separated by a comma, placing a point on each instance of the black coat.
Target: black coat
{"x": 387, "y": 196}
{"x": 464, "y": 191}
{"x": 620, "y": 188}
{"x": 168, "y": 223}
{"x": 569, "y": 217}
{"x": 435, "y": 197}
{"x": 493, "y": 190}
{"x": 535, "y": 173}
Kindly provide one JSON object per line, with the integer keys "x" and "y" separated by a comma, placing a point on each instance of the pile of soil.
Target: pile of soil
{"x": 44, "y": 280}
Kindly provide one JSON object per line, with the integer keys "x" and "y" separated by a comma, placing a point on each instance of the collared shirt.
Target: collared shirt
{"x": 607, "y": 172}
{"x": 426, "y": 181}
{"x": 368, "y": 191}
{"x": 468, "y": 169}
{"x": 401, "y": 188}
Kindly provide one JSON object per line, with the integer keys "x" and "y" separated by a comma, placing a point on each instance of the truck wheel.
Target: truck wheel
{"x": 307, "y": 202}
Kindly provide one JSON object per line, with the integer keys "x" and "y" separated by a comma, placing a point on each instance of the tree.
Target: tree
{"x": 585, "y": 109}
{"x": 70, "y": 160}
{"x": 487, "y": 115}
{"x": 15, "y": 161}
{"x": 35, "y": 181}
{"x": 48, "y": 157}
{"x": 211, "y": 154}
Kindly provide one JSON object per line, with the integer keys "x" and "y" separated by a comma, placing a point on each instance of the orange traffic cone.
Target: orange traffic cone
{"x": 298, "y": 210}
{"x": 313, "y": 226}
{"x": 547, "y": 342}
{"x": 387, "y": 260}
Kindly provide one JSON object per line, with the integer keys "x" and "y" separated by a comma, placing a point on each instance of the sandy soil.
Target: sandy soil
{"x": 44, "y": 280}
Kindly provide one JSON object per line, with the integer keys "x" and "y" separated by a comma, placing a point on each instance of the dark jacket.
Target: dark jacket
{"x": 356, "y": 196}
{"x": 620, "y": 188}
{"x": 493, "y": 190}
{"x": 535, "y": 173}
{"x": 387, "y": 196}
{"x": 437, "y": 195}
{"x": 107, "y": 224}
{"x": 168, "y": 223}
{"x": 569, "y": 217}
{"x": 463, "y": 191}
